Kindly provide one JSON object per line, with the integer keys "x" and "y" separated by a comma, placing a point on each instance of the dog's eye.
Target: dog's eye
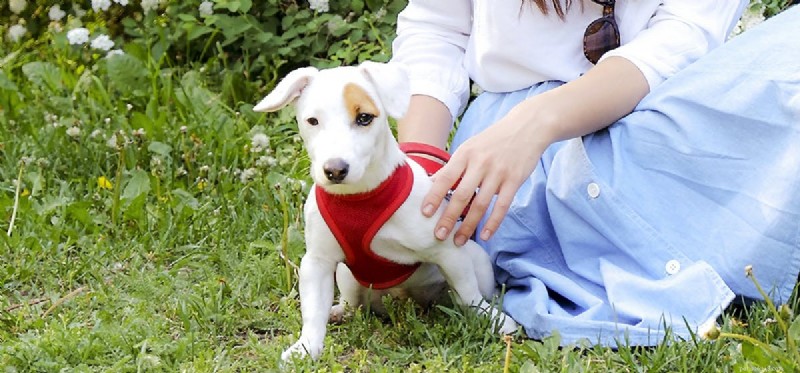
{"x": 364, "y": 119}
{"x": 312, "y": 121}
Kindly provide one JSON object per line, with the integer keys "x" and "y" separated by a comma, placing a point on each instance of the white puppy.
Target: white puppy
{"x": 343, "y": 118}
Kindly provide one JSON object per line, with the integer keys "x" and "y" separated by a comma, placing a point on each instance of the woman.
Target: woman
{"x": 632, "y": 192}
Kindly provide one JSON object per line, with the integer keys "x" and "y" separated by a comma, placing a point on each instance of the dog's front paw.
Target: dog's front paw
{"x": 507, "y": 325}
{"x": 301, "y": 349}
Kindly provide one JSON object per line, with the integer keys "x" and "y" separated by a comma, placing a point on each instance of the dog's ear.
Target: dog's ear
{"x": 287, "y": 90}
{"x": 391, "y": 82}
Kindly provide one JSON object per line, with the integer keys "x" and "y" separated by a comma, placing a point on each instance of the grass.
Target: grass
{"x": 174, "y": 248}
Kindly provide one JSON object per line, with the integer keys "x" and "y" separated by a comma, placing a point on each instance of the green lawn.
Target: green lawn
{"x": 150, "y": 221}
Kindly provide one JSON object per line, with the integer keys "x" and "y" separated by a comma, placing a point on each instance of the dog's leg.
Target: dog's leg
{"x": 350, "y": 293}
{"x": 483, "y": 269}
{"x": 469, "y": 278}
{"x": 316, "y": 298}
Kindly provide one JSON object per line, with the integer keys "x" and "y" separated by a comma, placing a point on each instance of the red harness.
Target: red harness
{"x": 355, "y": 219}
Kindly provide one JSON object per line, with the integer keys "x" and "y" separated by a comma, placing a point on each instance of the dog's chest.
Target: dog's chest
{"x": 355, "y": 220}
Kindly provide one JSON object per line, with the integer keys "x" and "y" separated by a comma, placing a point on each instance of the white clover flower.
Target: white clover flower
{"x": 321, "y": 6}
{"x": 78, "y": 36}
{"x": 259, "y": 142}
{"x": 55, "y": 13}
{"x": 49, "y": 117}
{"x": 148, "y": 5}
{"x": 112, "y": 141}
{"x": 73, "y": 132}
{"x": 139, "y": 132}
{"x": 15, "y": 32}
{"x": 266, "y": 161}
{"x": 98, "y": 5}
{"x": 102, "y": 42}
{"x": 206, "y": 9}
{"x": 248, "y": 175}
{"x": 114, "y": 52}
{"x": 95, "y": 133}
{"x": 129, "y": 107}
{"x": 380, "y": 13}
{"x": 17, "y": 6}
{"x": 121, "y": 2}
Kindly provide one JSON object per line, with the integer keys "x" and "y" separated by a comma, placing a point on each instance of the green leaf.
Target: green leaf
{"x": 8, "y": 58}
{"x": 37, "y": 181}
{"x": 159, "y": 148}
{"x": 185, "y": 200}
{"x": 232, "y": 5}
{"x": 52, "y": 203}
{"x": 374, "y": 5}
{"x": 43, "y": 74}
{"x": 187, "y": 17}
{"x": 138, "y": 184}
{"x": 245, "y": 5}
{"x": 755, "y": 354}
{"x": 126, "y": 72}
{"x": 197, "y": 31}
{"x": 357, "y": 6}
{"x": 794, "y": 330}
{"x": 139, "y": 120}
{"x": 232, "y": 27}
{"x": 6, "y": 83}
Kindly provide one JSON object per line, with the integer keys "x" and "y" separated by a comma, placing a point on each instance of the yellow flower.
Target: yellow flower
{"x": 25, "y": 192}
{"x": 201, "y": 185}
{"x": 104, "y": 183}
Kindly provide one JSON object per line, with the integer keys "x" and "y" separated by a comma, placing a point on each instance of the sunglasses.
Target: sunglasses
{"x": 602, "y": 35}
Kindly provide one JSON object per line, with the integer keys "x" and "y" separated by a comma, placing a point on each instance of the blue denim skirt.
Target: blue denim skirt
{"x": 648, "y": 224}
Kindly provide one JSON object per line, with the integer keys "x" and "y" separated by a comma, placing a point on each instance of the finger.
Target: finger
{"x": 443, "y": 180}
{"x": 499, "y": 211}
{"x": 458, "y": 201}
{"x": 477, "y": 209}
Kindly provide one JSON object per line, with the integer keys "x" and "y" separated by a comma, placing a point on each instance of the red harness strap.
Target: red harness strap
{"x": 354, "y": 221}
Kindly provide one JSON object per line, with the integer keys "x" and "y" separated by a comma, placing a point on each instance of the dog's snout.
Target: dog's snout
{"x": 336, "y": 169}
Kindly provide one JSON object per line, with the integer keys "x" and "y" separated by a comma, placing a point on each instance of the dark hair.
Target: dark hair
{"x": 544, "y": 6}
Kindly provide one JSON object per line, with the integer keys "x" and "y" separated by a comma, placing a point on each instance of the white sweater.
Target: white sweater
{"x": 505, "y": 45}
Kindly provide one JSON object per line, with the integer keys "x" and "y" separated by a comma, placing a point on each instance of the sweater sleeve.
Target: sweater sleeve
{"x": 679, "y": 33}
{"x": 432, "y": 36}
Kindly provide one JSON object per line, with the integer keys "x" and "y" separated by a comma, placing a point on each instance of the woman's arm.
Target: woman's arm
{"x": 427, "y": 120}
{"x": 499, "y": 159}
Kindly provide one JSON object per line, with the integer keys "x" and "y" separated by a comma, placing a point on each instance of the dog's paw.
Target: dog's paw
{"x": 302, "y": 348}
{"x": 337, "y": 314}
{"x": 507, "y": 325}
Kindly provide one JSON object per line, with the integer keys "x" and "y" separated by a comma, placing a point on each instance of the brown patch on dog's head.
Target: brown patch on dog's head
{"x": 357, "y": 101}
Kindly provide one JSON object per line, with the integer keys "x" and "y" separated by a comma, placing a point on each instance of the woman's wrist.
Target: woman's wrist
{"x": 427, "y": 121}
{"x": 536, "y": 122}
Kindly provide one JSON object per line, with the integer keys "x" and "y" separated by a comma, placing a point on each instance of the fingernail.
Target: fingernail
{"x": 461, "y": 240}
{"x": 486, "y": 234}
{"x": 441, "y": 233}
{"x": 428, "y": 210}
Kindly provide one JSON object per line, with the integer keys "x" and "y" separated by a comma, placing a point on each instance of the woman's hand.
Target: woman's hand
{"x": 494, "y": 162}
{"x": 499, "y": 159}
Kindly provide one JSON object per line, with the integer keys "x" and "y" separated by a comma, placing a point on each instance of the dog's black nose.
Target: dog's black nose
{"x": 335, "y": 169}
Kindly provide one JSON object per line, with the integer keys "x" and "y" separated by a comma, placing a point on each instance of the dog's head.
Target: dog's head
{"x": 342, "y": 114}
